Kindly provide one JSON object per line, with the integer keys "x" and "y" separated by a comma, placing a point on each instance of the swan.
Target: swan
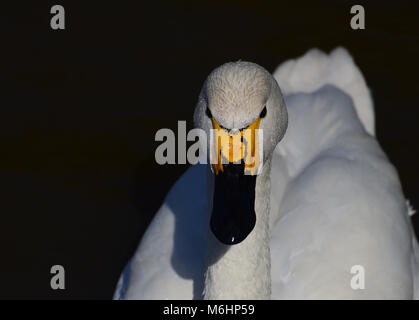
{"x": 326, "y": 198}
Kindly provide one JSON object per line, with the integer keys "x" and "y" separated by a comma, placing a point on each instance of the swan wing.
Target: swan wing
{"x": 343, "y": 230}
{"x": 168, "y": 263}
{"x": 316, "y": 69}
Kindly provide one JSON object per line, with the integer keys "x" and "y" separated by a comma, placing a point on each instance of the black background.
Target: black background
{"x": 80, "y": 108}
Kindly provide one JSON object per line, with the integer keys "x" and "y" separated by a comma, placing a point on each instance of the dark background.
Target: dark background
{"x": 80, "y": 107}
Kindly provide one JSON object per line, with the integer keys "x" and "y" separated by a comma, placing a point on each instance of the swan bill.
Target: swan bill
{"x": 236, "y": 160}
{"x": 233, "y": 214}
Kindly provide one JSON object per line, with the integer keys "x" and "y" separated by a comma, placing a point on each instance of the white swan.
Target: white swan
{"x": 327, "y": 198}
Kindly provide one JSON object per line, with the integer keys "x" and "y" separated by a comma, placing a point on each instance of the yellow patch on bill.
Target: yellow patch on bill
{"x": 243, "y": 145}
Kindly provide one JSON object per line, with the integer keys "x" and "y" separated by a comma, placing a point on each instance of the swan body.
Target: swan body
{"x": 327, "y": 199}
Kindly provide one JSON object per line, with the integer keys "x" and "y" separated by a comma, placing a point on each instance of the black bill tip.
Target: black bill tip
{"x": 233, "y": 214}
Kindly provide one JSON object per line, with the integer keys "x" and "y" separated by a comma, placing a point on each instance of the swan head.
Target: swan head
{"x": 243, "y": 113}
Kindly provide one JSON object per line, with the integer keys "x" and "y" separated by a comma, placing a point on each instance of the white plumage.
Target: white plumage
{"x": 335, "y": 202}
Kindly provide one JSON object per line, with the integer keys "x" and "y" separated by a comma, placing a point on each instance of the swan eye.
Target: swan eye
{"x": 208, "y": 113}
{"x": 263, "y": 112}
